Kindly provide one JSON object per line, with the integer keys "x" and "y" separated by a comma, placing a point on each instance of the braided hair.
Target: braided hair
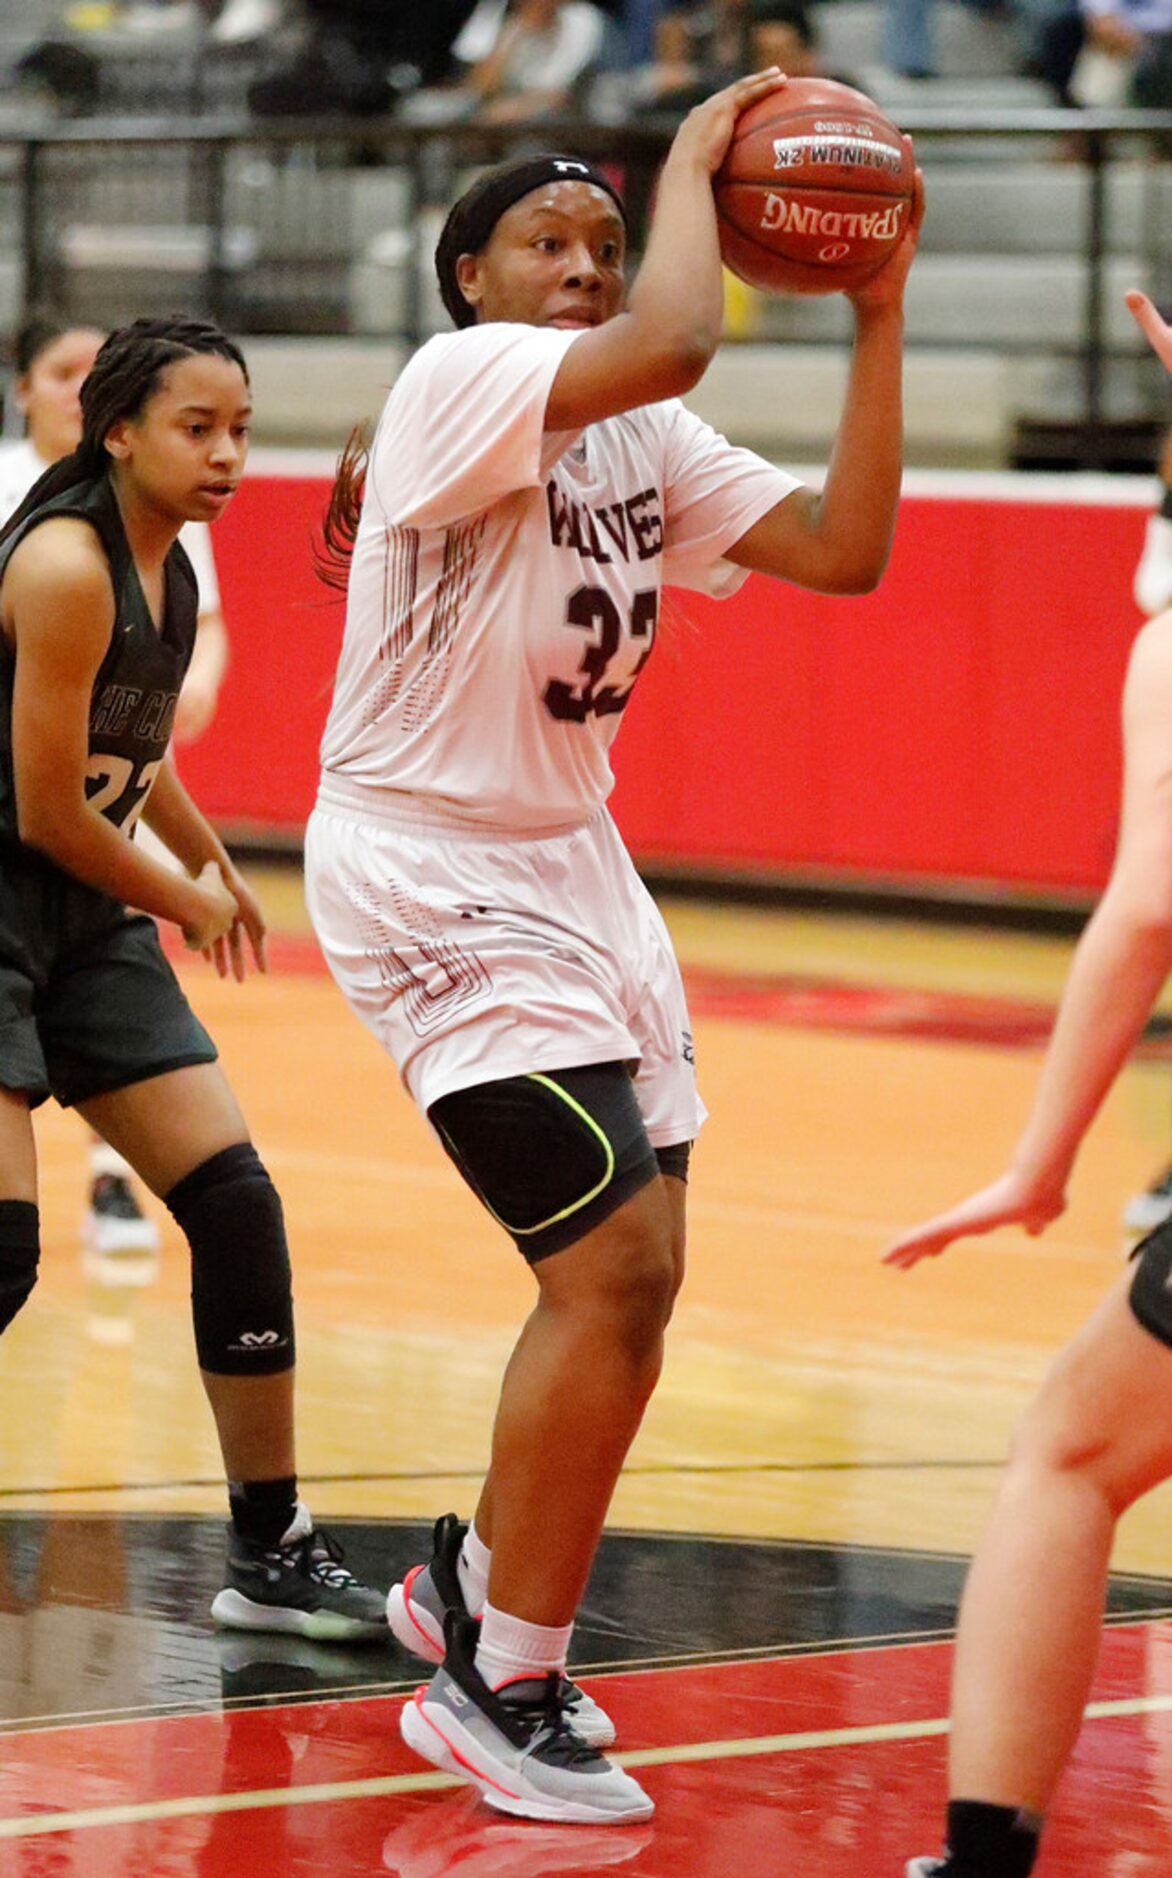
{"x": 125, "y": 376}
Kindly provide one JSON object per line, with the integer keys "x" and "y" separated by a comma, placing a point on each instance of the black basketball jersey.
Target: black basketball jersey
{"x": 132, "y": 707}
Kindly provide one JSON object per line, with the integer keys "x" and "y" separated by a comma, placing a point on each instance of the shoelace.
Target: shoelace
{"x": 549, "y": 1728}
{"x": 319, "y": 1555}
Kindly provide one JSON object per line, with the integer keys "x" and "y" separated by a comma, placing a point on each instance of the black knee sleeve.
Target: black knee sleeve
{"x": 20, "y": 1251}
{"x": 550, "y": 1155}
{"x": 241, "y": 1287}
{"x": 1151, "y": 1288}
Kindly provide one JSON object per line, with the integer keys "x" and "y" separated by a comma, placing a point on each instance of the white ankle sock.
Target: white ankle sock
{"x": 510, "y": 1648}
{"x": 472, "y": 1570}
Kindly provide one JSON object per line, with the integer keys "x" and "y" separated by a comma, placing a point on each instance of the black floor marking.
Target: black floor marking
{"x": 105, "y": 1615}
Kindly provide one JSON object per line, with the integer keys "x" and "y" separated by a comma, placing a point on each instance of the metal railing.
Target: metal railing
{"x": 263, "y": 225}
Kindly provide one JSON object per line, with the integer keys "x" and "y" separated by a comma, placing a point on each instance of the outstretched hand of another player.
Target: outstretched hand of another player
{"x": 228, "y": 953}
{"x": 886, "y": 287}
{"x": 1155, "y": 330}
{"x": 1013, "y": 1200}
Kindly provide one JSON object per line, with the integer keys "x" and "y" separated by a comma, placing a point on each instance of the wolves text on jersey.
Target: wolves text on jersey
{"x": 633, "y": 527}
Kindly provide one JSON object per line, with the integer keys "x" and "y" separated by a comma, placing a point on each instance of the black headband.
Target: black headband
{"x": 473, "y": 218}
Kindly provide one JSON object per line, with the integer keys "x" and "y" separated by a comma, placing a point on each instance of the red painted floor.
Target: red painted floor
{"x": 795, "y": 1809}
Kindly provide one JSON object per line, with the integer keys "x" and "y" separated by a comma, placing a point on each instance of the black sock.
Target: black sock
{"x": 263, "y": 1510}
{"x": 1165, "y": 508}
{"x": 990, "y": 1841}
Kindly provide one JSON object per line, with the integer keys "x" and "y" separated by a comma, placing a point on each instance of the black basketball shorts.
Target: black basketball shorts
{"x": 88, "y": 1002}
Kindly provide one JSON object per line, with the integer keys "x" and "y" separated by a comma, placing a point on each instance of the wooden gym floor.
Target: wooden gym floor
{"x": 772, "y": 1606}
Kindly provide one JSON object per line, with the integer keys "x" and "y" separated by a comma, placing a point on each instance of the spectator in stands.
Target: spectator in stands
{"x": 536, "y": 61}
{"x": 239, "y": 22}
{"x": 1046, "y": 37}
{"x": 701, "y": 46}
{"x": 908, "y": 44}
{"x": 361, "y": 59}
{"x": 1127, "y": 57}
{"x": 545, "y": 49}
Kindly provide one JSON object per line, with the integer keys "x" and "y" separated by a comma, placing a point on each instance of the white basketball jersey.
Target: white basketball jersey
{"x": 504, "y": 590}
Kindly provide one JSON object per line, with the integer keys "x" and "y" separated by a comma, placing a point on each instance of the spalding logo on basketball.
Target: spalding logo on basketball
{"x": 815, "y": 190}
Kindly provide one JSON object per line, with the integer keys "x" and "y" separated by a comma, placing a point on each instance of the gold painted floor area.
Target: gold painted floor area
{"x": 808, "y": 1392}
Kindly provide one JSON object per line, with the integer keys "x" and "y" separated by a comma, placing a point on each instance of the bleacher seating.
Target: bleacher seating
{"x": 316, "y": 245}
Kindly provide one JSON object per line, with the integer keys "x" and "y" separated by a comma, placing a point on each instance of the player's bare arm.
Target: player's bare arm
{"x": 205, "y": 675}
{"x": 58, "y": 614}
{"x": 172, "y": 815}
{"x": 839, "y": 540}
{"x": 1156, "y": 331}
{"x": 1120, "y": 964}
{"x": 661, "y": 345}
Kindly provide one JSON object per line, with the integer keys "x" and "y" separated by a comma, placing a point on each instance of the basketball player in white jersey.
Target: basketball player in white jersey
{"x": 531, "y": 485}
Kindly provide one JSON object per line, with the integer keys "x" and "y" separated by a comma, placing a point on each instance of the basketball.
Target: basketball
{"x": 815, "y": 190}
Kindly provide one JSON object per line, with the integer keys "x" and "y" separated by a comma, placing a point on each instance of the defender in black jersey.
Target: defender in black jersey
{"x": 97, "y": 622}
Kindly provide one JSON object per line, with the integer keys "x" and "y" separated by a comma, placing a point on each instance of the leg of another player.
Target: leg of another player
{"x": 115, "y": 1228}
{"x": 167, "y": 1127}
{"x": 184, "y": 1134}
{"x": 1098, "y": 1435}
{"x": 675, "y": 1195}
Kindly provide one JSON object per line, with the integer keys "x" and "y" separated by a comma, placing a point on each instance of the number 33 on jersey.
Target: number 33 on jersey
{"x": 517, "y": 581}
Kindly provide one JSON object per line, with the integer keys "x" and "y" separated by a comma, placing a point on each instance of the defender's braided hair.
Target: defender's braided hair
{"x": 125, "y": 376}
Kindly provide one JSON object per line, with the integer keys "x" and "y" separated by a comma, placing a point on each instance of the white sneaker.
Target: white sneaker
{"x": 417, "y": 1606}
{"x": 242, "y": 20}
{"x": 925, "y": 1868}
{"x": 515, "y": 1744}
{"x": 1153, "y": 575}
{"x": 119, "y": 1243}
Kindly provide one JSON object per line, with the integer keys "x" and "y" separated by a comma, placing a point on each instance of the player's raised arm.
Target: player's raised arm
{"x": 660, "y": 346}
{"x": 838, "y": 540}
{"x": 1156, "y": 330}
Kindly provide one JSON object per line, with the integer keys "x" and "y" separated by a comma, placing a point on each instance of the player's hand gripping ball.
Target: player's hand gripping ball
{"x": 815, "y": 191}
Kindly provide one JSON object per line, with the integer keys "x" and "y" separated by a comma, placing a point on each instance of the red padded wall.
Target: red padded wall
{"x": 960, "y": 724}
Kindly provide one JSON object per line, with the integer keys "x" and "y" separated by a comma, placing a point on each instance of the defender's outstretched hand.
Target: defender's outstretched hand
{"x": 1155, "y": 330}
{"x": 1010, "y": 1201}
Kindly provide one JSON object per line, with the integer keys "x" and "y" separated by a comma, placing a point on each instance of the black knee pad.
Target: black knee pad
{"x": 550, "y": 1155}
{"x": 20, "y": 1251}
{"x": 241, "y": 1286}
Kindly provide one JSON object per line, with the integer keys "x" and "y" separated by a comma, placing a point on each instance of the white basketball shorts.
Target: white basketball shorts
{"x": 474, "y": 956}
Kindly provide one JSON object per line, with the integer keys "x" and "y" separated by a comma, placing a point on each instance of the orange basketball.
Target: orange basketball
{"x": 815, "y": 189}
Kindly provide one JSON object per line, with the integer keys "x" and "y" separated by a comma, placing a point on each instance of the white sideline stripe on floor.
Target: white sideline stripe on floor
{"x": 38, "y": 1824}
